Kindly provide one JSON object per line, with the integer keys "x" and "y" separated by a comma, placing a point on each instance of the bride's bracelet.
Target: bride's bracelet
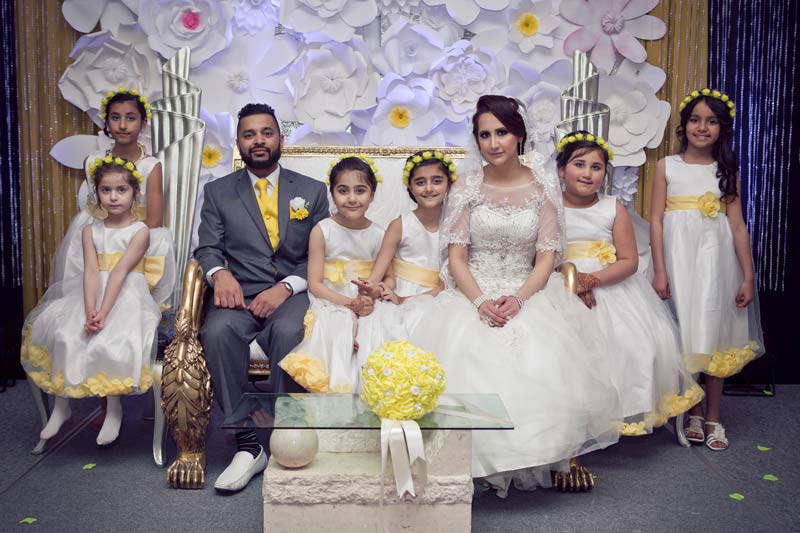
{"x": 519, "y": 300}
{"x": 477, "y": 302}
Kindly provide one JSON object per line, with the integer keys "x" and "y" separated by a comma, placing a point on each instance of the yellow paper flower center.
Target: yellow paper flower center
{"x": 528, "y": 24}
{"x": 211, "y": 156}
{"x": 400, "y": 117}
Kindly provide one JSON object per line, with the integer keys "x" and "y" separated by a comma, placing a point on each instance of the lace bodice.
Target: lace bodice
{"x": 504, "y": 227}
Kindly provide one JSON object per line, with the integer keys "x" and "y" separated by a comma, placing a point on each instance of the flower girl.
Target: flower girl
{"x": 341, "y": 249}
{"x": 95, "y": 335}
{"x": 642, "y": 336}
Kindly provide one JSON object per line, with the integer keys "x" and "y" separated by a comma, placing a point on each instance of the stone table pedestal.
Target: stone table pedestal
{"x": 339, "y": 492}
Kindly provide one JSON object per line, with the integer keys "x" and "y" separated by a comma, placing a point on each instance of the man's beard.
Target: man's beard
{"x": 274, "y": 156}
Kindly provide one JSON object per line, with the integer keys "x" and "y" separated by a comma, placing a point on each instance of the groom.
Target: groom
{"x": 254, "y": 251}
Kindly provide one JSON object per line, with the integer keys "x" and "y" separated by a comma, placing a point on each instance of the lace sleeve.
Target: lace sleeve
{"x": 551, "y": 236}
{"x": 548, "y": 238}
{"x": 454, "y": 228}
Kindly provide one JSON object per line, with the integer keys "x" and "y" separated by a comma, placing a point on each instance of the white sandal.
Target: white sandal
{"x": 717, "y": 436}
{"x": 695, "y": 426}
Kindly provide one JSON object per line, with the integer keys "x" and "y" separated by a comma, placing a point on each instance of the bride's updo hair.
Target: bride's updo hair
{"x": 506, "y": 110}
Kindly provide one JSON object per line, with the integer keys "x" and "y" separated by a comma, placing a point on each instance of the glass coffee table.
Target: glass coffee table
{"x": 348, "y": 412}
{"x": 345, "y": 487}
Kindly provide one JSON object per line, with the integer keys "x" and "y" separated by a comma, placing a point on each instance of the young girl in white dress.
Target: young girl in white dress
{"x": 409, "y": 252}
{"x": 642, "y": 336}
{"x": 94, "y": 335}
{"x": 701, "y": 254}
{"x": 341, "y": 249}
{"x": 126, "y": 113}
{"x": 512, "y": 328}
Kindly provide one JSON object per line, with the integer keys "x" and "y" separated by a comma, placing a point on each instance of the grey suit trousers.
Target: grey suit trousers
{"x": 226, "y": 335}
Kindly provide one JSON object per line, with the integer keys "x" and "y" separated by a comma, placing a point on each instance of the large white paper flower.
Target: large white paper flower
{"x": 406, "y": 114}
{"x": 609, "y": 27}
{"x": 204, "y": 26}
{"x": 83, "y": 15}
{"x": 252, "y": 69}
{"x": 638, "y": 118}
{"x": 540, "y": 93}
{"x": 528, "y": 31}
{"x": 328, "y": 82}
{"x": 253, "y": 16}
{"x": 466, "y": 11}
{"x": 338, "y": 19}
{"x": 409, "y": 48}
{"x": 463, "y": 75}
{"x": 102, "y": 63}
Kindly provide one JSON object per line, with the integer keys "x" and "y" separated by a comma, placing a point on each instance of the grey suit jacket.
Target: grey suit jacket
{"x": 232, "y": 232}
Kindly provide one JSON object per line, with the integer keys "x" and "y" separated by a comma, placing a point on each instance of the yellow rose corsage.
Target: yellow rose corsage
{"x": 709, "y": 205}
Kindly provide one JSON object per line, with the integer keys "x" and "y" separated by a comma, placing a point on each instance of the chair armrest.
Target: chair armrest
{"x": 570, "y": 274}
{"x": 186, "y": 385}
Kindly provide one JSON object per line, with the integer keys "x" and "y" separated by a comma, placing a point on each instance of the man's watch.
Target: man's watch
{"x": 288, "y": 287}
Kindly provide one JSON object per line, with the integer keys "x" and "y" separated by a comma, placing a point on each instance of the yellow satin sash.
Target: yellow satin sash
{"x": 152, "y": 267}
{"x": 602, "y": 250}
{"x": 341, "y": 270}
{"x": 427, "y": 277}
{"x": 705, "y": 203}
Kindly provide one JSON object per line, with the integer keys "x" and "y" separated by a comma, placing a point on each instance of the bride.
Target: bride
{"x": 512, "y": 327}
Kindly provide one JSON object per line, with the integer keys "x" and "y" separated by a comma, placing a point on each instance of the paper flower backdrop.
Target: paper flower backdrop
{"x": 397, "y": 72}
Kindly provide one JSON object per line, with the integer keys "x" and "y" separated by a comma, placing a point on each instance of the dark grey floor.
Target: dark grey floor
{"x": 644, "y": 484}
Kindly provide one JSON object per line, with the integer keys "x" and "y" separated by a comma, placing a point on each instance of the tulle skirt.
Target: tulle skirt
{"x": 549, "y": 366}
{"x": 718, "y": 338}
{"x": 62, "y": 359}
{"x": 645, "y": 351}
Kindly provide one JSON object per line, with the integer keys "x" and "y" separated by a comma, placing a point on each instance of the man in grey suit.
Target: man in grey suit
{"x": 254, "y": 251}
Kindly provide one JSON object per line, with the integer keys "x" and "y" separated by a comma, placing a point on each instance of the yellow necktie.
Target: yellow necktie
{"x": 269, "y": 210}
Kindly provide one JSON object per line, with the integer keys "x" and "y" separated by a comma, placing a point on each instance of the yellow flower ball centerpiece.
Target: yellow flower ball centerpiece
{"x": 401, "y": 381}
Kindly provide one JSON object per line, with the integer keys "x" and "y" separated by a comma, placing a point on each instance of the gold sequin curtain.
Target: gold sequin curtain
{"x": 48, "y": 189}
{"x": 683, "y": 54}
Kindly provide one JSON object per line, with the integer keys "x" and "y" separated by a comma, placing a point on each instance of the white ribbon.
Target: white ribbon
{"x": 403, "y": 439}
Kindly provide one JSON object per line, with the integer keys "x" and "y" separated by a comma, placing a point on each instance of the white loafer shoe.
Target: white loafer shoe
{"x": 241, "y": 470}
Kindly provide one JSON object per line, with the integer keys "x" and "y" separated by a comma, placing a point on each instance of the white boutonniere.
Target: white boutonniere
{"x": 298, "y": 209}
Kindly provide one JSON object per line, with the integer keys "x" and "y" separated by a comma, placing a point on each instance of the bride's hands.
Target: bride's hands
{"x": 507, "y": 306}
{"x": 490, "y": 316}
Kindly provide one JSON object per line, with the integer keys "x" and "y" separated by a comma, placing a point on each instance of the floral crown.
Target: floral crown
{"x": 417, "y": 159}
{"x": 575, "y": 137}
{"x": 124, "y": 90}
{"x": 110, "y": 160}
{"x": 713, "y": 93}
{"x": 363, "y": 157}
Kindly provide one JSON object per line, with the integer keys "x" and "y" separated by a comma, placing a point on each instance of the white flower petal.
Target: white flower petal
{"x": 646, "y": 27}
{"x": 72, "y": 151}
{"x": 83, "y": 14}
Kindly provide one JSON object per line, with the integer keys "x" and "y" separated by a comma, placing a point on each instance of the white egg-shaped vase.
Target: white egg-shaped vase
{"x": 293, "y": 448}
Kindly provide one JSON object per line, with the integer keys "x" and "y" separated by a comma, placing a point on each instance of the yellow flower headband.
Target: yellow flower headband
{"x": 713, "y": 93}
{"x": 599, "y": 141}
{"x": 416, "y": 160}
{"x": 124, "y": 90}
{"x": 363, "y": 157}
{"x": 109, "y": 160}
